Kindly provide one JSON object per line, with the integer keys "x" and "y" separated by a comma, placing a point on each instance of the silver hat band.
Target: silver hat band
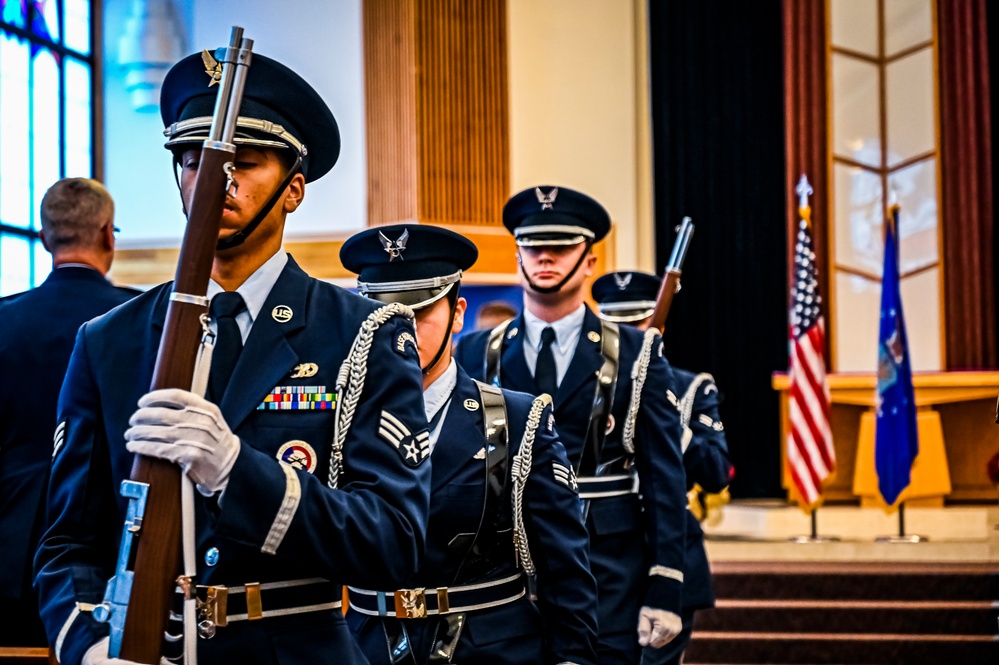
{"x": 626, "y": 318}
{"x": 408, "y": 285}
{"x": 626, "y": 306}
{"x": 253, "y": 124}
{"x": 521, "y": 231}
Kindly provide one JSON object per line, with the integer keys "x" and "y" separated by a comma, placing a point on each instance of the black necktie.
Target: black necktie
{"x": 545, "y": 372}
{"x": 228, "y": 342}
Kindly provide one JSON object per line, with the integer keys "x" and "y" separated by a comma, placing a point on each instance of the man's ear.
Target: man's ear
{"x": 459, "y": 316}
{"x": 590, "y": 263}
{"x": 107, "y": 236}
{"x": 45, "y": 243}
{"x": 295, "y": 193}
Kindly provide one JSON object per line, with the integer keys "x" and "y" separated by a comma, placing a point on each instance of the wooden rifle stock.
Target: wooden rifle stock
{"x": 157, "y": 555}
{"x": 671, "y": 280}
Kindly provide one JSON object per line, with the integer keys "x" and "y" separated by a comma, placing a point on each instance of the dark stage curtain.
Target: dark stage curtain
{"x": 718, "y": 125}
{"x": 966, "y": 170}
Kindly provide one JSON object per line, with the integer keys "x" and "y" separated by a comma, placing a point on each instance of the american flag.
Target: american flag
{"x": 810, "y": 454}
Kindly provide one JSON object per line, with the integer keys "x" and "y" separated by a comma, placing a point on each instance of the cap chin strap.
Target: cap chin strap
{"x": 553, "y": 289}
{"x": 239, "y": 237}
{"x": 452, "y": 297}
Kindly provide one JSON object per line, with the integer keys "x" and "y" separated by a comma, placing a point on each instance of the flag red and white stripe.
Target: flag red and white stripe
{"x": 810, "y": 454}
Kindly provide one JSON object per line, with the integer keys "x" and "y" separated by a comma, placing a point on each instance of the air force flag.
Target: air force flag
{"x": 896, "y": 442}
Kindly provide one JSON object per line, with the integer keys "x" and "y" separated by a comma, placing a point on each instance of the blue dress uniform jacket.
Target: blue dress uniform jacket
{"x": 39, "y": 327}
{"x": 629, "y": 535}
{"x": 370, "y": 531}
{"x": 561, "y": 625}
{"x": 707, "y": 464}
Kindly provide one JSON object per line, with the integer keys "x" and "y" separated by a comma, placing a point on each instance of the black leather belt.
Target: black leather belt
{"x": 424, "y": 602}
{"x": 599, "y": 487}
{"x": 224, "y": 604}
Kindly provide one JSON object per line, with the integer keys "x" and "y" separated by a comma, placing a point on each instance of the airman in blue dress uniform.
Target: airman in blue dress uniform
{"x": 609, "y": 384}
{"x": 281, "y": 522}
{"x": 506, "y": 577}
{"x": 630, "y": 297}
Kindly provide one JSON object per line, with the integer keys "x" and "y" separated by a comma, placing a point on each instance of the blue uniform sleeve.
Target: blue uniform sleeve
{"x": 706, "y": 458}
{"x": 567, "y": 593}
{"x": 77, "y": 554}
{"x": 371, "y": 531}
{"x": 661, "y": 473}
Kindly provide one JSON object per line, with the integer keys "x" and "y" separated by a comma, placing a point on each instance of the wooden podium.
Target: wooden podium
{"x": 957, "y": 435}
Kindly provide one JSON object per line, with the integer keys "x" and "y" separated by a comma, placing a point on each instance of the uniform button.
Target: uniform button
{"x": 212, "y": 556}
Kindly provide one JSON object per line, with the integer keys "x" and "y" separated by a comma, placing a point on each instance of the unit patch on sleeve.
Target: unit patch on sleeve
{"x": 298, "y": 398}
{"x": 299, "y": 455}
{"x": 412, "y": 448}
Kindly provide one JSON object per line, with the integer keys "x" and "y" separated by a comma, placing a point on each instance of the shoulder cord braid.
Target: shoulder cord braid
{"x": 519, "y": 472}
{"x": 686, "y": 405}
{"x": 350, "y": 380}
{"x": 638, "y": 373}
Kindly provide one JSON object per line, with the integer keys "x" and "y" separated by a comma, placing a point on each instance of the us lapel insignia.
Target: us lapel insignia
{"x": 593, "y": 336}
{"x": 282, "y": 314}
{"x": 304, "y": 371}
{"x": 299, "y": 455}
{"x": 513, "y": 333}
{"x": 471, "y": 405}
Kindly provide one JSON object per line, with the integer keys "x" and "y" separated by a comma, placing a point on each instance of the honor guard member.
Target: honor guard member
{"x": 39, "y": 327}
{"x": 506, "y": 577}
{"x": 274, "y": 540}
{"x": 626, "y": 297}
{"x": 630, "y": 297}
{"x": 609, "y": 385}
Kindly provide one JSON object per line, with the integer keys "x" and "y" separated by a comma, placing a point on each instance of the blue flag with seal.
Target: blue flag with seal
{"x": 896, "y": 442}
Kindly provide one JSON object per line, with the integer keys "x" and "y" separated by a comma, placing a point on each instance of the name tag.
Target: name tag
{"x": 298, "y": 398}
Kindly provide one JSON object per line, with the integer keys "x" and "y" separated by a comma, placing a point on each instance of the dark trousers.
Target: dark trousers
{"x": 672, "y": 653}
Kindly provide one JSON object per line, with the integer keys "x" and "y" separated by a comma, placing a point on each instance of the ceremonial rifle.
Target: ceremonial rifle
{"x": 138, "y": 598}
{"x": 671, "y": 280}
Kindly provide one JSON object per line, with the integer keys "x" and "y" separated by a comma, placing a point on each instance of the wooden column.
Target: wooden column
{"x": 437, "y": 118}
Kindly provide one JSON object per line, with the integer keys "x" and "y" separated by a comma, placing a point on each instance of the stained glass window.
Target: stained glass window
{"x": 46, "y": 122}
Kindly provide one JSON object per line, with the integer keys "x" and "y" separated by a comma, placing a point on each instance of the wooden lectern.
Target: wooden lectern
{"x": 957, "y": 435}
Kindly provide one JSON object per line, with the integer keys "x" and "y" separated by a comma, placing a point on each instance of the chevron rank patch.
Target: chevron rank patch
{"x": 565, "y": 475}
{"x": 298, "y": 398}
{"x": 707, "y": 422}
{"x": 412, "y": 448}
{"x": 58, "y": 438}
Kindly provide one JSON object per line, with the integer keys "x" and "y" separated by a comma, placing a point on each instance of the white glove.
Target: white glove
{"x": 657, "y": 627}
{"x": 180, "y": 427}
{"x": 98, "y": 655}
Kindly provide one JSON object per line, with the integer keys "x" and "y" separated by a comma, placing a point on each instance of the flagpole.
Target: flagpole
{"x": 814, "y": 537}
{"x": 902, "y": 536}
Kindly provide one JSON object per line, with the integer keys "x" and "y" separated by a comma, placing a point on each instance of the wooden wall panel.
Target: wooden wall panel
{"x": 438, "y": 140}
{"x": 390, "y": 117}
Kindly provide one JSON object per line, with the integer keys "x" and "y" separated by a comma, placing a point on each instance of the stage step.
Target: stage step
{"x": 791, "y": 613}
